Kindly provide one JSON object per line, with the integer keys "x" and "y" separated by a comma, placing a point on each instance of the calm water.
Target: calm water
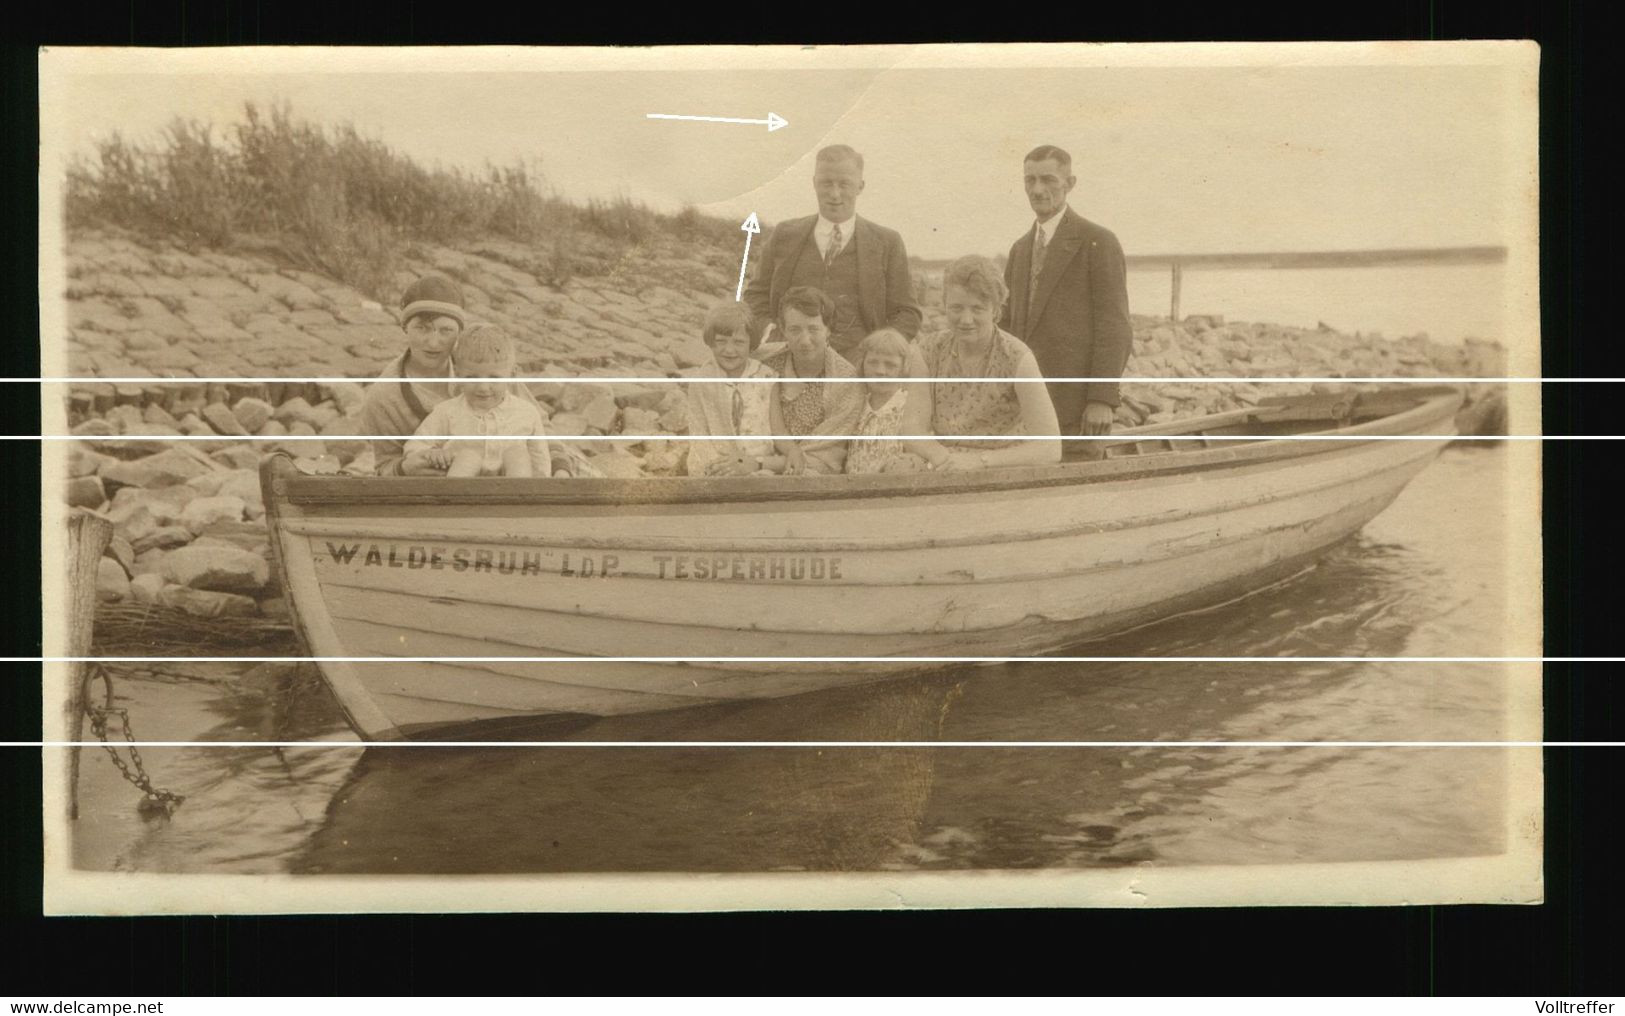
{"x": 1423, "y": 579}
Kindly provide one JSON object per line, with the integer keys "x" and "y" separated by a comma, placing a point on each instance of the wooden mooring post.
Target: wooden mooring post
{"x": 88, "y": 536}
{"x": 1173, "y": 301}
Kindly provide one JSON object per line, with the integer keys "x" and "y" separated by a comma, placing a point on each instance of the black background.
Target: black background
{"x": 1570, "y": 945}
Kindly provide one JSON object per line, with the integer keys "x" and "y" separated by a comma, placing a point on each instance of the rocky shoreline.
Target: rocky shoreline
{"x": 188, "y": 517}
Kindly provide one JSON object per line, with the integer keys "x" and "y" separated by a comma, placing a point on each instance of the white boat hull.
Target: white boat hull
{"x": 1003, "y": 568}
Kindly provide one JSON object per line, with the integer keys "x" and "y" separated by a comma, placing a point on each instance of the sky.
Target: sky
{"x": 1282, "y": 156}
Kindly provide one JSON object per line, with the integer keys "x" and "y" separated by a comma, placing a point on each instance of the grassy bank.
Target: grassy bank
{"x": 329, "y": 200}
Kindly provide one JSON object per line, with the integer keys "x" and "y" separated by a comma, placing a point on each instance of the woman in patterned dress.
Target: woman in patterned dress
{"x": 811, "y": 419}
{"x": 975, "y": 423}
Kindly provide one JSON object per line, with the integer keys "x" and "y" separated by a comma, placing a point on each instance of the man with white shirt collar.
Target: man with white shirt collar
{"x": 861, "y": 266}
{"x": 1069, "y": 297}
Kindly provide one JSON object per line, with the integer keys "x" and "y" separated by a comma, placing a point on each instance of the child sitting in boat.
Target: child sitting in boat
{"x": 455, "y": 435}
{"x": 884, "y": 359}
{"x": 729, "y": 408}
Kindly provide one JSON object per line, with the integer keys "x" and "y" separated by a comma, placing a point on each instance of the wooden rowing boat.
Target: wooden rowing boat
{"x": 463, "y": 592}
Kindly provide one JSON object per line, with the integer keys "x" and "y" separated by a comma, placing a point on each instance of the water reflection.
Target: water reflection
{"x": 1420, "y": 581}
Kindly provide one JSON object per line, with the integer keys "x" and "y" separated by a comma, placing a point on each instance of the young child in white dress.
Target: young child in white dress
{"x": 883, "y": 359}
{"x": 455, "y": 433}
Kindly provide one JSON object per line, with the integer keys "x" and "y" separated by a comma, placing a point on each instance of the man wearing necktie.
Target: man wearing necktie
{"x": 858, "y": 264}
{"x": 1069, "y": 297}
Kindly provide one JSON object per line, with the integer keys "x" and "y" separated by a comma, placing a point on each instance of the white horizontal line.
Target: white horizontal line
{"x": 586, "y": 380}
{"x": 636, "y": 438}
{"x": 818, "y": 744}
{"x": 813, "y": 659}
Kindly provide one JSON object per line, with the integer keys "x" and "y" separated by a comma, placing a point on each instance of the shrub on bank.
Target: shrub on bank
{"x": 335, "y": 202}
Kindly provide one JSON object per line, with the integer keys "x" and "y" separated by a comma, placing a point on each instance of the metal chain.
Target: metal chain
{"x": 154, "y": 802}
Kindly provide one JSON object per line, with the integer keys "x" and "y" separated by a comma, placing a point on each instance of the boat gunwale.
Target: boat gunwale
{"x": 330, "y": 527}
{"x": 1070, "y": 574}
{"x": 1434, "y": 406}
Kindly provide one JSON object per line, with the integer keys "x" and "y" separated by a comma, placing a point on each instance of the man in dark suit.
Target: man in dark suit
{"x": 1069, "y": 297}
{"x": 858, "y": 264}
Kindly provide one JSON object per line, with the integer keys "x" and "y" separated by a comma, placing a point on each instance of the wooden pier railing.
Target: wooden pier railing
{"x": 1176, "y": 264}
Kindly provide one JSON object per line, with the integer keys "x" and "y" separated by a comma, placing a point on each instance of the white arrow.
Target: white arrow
{"x": 750, "y": 227}
{"x": 774, "y": 121}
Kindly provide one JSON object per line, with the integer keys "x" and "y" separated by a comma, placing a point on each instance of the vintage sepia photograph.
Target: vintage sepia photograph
{"x": 695, "y": 478}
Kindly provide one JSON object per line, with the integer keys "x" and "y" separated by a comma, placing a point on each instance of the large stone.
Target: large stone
{"x": 150, "y": 562}
{"x": 365, "y": 464}
{"x": 84, "y": 462}
{"x": 242, "y": 535}
{"x": 321, "y": 465}
{"x": 567, "y": 425}
{"x": 672, "y": 398}
{"x": 348, "y": 396}
{"x": 166, "y": 469}
{"x": 124, "y": 448}
{"x": 203, "y": 512}
{"x": 218, "y": 568}
{"x": 692, "y": 353}
{"x": 252, "y": 413}
{"x": 601, "y": 413}
{"x": 136, "y": 524}
{"x": 342, "y": 426}
{"x": 298, "y": 410}
{"x": 94, "y": 427}
{"x": 577, "y": 397}
{"x": 123, "y": 418}
{"x": 144, "y": 588}
{"x": 302, "y": 449}
{"x": 674, "y": 420}
{"x": 618, "y": 465}
{"x": 547, "y": 392}
{"x": 243, "y": 483}
{"x": 120, "y": 550}
{"x": 186, "y": 399}
{"x": 162, "y": 538}
{"x": 640, "y": 422}
{"x": 158, "y": 416}
{"x": 86, "y": 492}
{"x": 638, "y": 396}
{"x": 666, "y": 461}
{"x": 193, "y": 425}
{"x": 223, "y": 420}
{"x": 163, "y": 503}
{"x": 325, "y": 413}
{"x": 214, "y": 483}
{"x": 1149, "y": 401}
{"x": 205, "y": 603}
{"x": 112, "y": 585}
{"x": 238, "y": 456}
{"x": 128, "y": 449}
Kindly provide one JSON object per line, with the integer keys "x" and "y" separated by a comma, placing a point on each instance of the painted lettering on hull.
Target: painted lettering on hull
{"x": 589, "y": 564}
{"x": 747, "y": 567}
